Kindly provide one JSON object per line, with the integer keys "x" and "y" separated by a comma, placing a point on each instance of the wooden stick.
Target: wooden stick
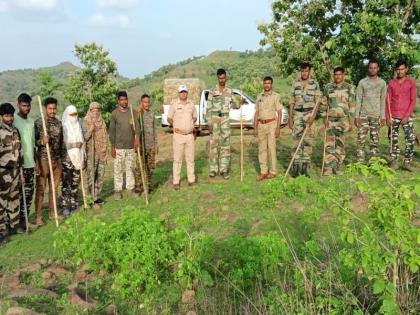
{"x": 82, "y": 183}
{"x": 24, "y": 201}
{"x": 299, "y": 145}
{"x": 93, "y": 166}
{"x": 325, "y": 140}
{"x": 391, "y": 123}
{"x": 140, "y": 160}
{"x": 47, "y": 145}
{"x": 145, "y": 183}
{"x": 242, "y": 142}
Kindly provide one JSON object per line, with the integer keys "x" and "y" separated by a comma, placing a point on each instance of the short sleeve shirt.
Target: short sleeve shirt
{"x": 268, "y": 105}
{"x": 183, "y": 115}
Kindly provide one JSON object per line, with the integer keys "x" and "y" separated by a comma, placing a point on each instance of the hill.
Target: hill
{"x": 245, "y": 69}
{"x": 14, "y": 82}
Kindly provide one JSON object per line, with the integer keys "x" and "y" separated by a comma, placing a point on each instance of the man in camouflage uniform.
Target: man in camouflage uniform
{"x": 370, "y": 111}
{"x": 54, "y": 138}
{"x": 219, "y": 103}
{"x": 340, "y": 110}
{"x": 304, "y": 102}
{"x": 10, "y": 163}
{"x": 149, "y": 144}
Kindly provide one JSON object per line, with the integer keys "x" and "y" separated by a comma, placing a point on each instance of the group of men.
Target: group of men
{"x": 369, "y": 107}
{"x": 49, "y": 148}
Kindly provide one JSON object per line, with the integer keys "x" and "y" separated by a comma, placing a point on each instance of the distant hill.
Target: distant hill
{"x": 245, "y": 69}
{"x": 242, "y": 67}
{"x": 14, "y": 82}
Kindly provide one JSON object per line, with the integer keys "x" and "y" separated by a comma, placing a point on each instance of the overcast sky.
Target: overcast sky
{"x": 141, "y": 35}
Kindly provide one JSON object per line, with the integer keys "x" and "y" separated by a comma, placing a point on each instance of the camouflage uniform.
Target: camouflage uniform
{"x": 149, "y": 145}
{"x": 219, "y": 104}
{"x": 70, "y": 178}
{"x": 340, "y": 107}
{"x": 370, "y": 108}
{"x": 304, "y": 98}
{"x": 10, "y": 163}
{"x": 55, "y": 136}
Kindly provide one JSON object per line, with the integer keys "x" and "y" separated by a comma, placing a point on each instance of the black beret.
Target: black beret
{"x": 6, "y": 108}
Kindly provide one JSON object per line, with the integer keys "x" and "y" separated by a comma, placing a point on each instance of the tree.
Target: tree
{"x": 330, "y": 33}
{"x": 47, "y": 85}
{"x": 95, "y": 81}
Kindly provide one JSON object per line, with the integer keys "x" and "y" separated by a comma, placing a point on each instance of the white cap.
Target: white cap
{"x": 182, "y": 88}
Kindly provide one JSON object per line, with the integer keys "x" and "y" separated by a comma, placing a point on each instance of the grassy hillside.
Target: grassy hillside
{"x": 245, "y": 69}
{"x": 12, "y": 83}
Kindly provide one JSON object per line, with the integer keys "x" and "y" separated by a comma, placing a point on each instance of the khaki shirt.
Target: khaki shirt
{"x": 183, "y": 115}
{"x": 268, "y": 105}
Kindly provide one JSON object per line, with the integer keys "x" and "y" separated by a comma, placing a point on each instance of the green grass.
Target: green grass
{"x": 221, "y": 207}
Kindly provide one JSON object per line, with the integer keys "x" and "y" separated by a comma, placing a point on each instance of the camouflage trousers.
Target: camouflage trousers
{"x": 149, "y": 162}
{"x": 125, "y": 157}
{"x": 304, "y": 154}
{"x": 368, "y": 125}
{"x": 28, "y": 174}
{"x": 95, "y": 173}
{"x": 70, "y": 185}
{"x": 219, "y": 153}
{"x": 409, "y": 139}
{"x": 9, "y": 199}
{"x": 334, "y": 146}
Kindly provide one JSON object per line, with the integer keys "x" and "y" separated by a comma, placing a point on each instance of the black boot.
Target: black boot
{"x": 304, "y": 170}
{"x": 295, "y": 170}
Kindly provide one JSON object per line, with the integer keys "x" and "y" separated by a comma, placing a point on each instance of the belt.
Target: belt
{"x": 220, "y": 114}
{"x": 266, "y": 121}
{"x": 303, "y": 110}
{"x": 178, "y": 131}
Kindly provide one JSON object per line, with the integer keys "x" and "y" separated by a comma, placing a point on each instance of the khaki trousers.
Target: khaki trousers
{"x": 267, "y": 147}
{"x": 183, "y": 144}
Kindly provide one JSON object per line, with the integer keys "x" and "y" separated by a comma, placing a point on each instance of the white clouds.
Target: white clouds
{"x": 29, "y": 5}
{"x": 119, "y": 4}
{"x": 119, "y": 20}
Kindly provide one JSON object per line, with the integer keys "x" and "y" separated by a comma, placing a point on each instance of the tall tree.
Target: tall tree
{"x": 48, "y": 86}
{"x": 95, "y": 81}
{"x": 329, "y": 33}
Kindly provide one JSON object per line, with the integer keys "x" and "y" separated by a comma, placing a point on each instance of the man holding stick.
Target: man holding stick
{"x": 340, "y": 107}
{"x": 125, "y": 140}
{"x": 54, "y": 138}
{"x": 10, "y": 179}
{"x": 149, "y": 144}
{"x": 26, "y": 127}
{"x": 219, "y": 103}
{"x": 267, "y": 123}
{"x": 304, "y": 100}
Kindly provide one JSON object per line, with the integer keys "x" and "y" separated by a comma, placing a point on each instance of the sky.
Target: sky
{"x": 141, "y": 35}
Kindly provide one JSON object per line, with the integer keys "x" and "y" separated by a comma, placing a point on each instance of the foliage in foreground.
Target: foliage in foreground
{"x": 345, "y": 262}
